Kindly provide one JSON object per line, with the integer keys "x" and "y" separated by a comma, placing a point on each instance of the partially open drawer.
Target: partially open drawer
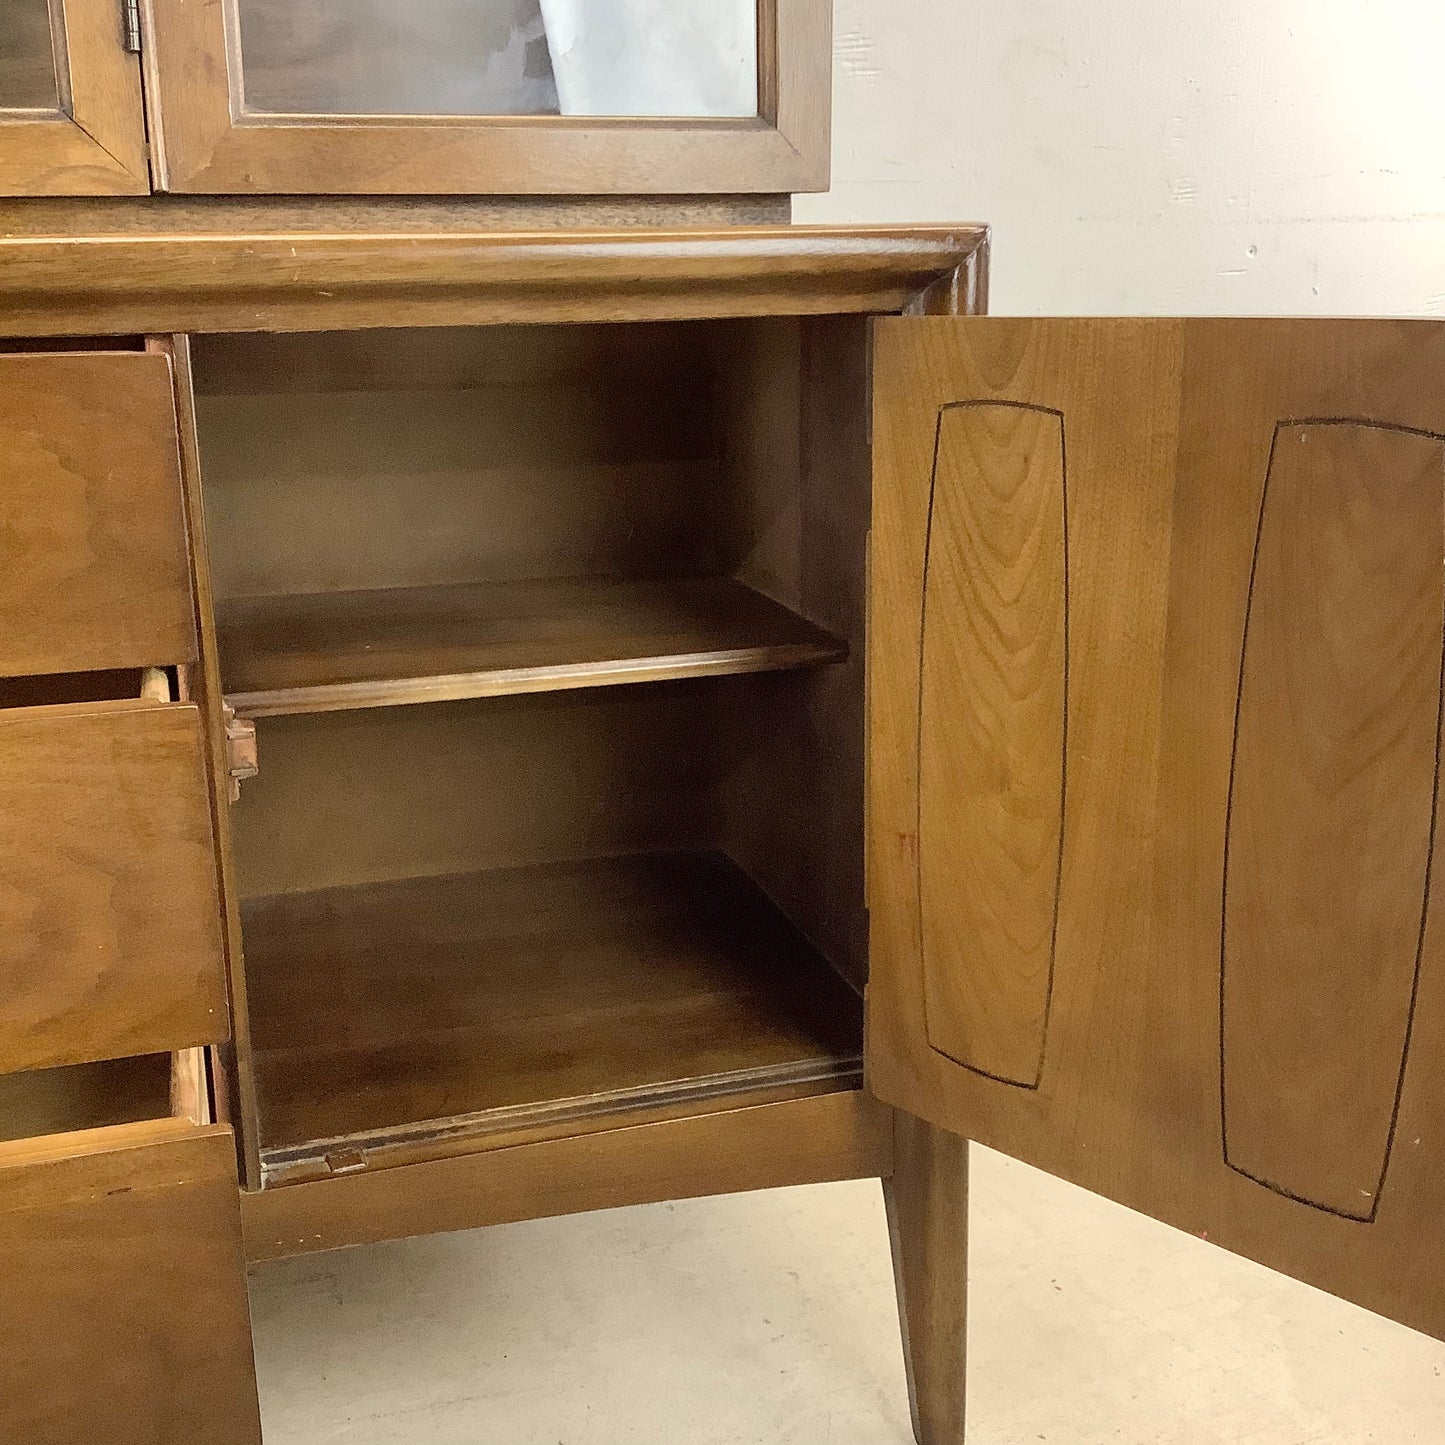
{"x": 123, "y": 1313}
{"x": 93, "y": 565}
{"x": 110, "y": 934}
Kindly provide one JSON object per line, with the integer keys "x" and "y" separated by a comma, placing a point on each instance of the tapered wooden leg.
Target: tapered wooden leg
{"x": 927, "y": 1200}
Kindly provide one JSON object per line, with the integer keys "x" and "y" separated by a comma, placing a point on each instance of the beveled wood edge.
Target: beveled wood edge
{"x": 206, "y": 144}
{"x": 516, "y": 681}
{"x": 813, "y": 1140}
{"x": 259, "y": 281}
{"x": 60, "y": 712}
{"x": 59, "y": 1149}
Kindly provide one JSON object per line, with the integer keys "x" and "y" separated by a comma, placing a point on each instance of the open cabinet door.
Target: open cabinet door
{"x": 1156, "y": 653}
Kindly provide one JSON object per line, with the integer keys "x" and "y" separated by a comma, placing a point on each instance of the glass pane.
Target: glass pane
{"x": 27, "y": 57}
{"x": 500, "y": 57}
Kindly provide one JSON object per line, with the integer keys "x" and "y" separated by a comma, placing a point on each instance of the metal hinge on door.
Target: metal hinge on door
{"x": 131, "y": 12}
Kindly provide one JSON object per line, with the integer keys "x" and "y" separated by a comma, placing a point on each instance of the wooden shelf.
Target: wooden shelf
{"x": 391, "y": 1020}
{"x": 329, "y": 651}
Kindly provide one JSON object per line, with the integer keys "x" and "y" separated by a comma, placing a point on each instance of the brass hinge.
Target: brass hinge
{"x": 131, "y": 9}
{"x": 241, "y": 759}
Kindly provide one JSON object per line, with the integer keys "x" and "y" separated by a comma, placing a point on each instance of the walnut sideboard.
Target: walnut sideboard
{"x": 499, "y": 724}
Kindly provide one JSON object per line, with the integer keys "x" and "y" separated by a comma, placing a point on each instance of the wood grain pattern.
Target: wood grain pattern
{"x": 195, "y": 90}
{"x": 327, "y": 651}
{"x": 93, "y": 570}
{"x": 1331, "y": 807}
{"x": 1169, "y": 427}
{"x": 93, "y": 143}
{"x": 927, "y": 1201}
{"x": 804, "y": 1141}
{"x": 109, "y": 935}
{"x": 124, "y": 1310}
{"x": 992, "y": 717}
{"x": 382, "y": 1007}
{"x": 264, "y": 280}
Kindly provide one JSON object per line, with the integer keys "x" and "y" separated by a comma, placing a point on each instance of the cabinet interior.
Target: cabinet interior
{"x": 553, "y": 639}
{"x": 42, "y": 1102}
{"x": 57, "y": 689}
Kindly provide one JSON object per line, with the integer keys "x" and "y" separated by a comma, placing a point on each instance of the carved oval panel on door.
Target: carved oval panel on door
{"x": 992, "y": 734}
{"x": 1332, "y": 804}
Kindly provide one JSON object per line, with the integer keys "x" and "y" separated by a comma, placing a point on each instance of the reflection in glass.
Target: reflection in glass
{"x": 27, "y": 57}
{"x": 395, "y": 57}
{"x": 499, "y": 57}
{"x": 654, "y": 57}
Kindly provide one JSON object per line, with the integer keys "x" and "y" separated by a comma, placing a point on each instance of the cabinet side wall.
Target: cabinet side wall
{"x": 790, "y": 800}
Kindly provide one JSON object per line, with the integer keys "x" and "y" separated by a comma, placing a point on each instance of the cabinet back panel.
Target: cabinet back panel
{"x": 412, "y": 458}
{"x": 387, "y": 793}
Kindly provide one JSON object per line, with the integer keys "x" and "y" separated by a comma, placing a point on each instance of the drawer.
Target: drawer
{"x": 123, "y": 1312}
{"x": 110, "y": 930}
{"x": 93, "y": 564}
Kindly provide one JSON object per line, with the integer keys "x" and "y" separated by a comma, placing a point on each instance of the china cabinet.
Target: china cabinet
{"x": 436, "y": 97}
{"x": 481, "y": 713}
{"x": 535, "y": 703}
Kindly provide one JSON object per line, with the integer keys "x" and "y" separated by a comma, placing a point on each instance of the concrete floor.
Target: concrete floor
{"x": 769, "y": 1319}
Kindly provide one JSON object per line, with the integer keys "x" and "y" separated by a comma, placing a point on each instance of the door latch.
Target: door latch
{"x": 241, "y": 758}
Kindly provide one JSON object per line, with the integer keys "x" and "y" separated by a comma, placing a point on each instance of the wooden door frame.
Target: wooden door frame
{"x": 96, "y": 146}
{"x": 206, "y": 143}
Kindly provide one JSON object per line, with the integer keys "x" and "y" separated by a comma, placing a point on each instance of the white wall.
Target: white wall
{"x": 1156, "y": 156}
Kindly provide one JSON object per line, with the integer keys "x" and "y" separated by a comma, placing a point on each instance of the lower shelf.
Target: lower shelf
{"x": 391, "y": 1020}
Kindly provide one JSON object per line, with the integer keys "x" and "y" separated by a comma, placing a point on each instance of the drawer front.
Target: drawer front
{"x": 93, "y": 565}
{"x": 109, "y": 912}
{"x": 123, "y": 1313}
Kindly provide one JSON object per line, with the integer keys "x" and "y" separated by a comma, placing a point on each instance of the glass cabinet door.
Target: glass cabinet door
{"x": 618, "y": 58}
{"x": 29, "y": 76}
{"x": 493, "y": 96}
{"x": 71, "y": 118}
